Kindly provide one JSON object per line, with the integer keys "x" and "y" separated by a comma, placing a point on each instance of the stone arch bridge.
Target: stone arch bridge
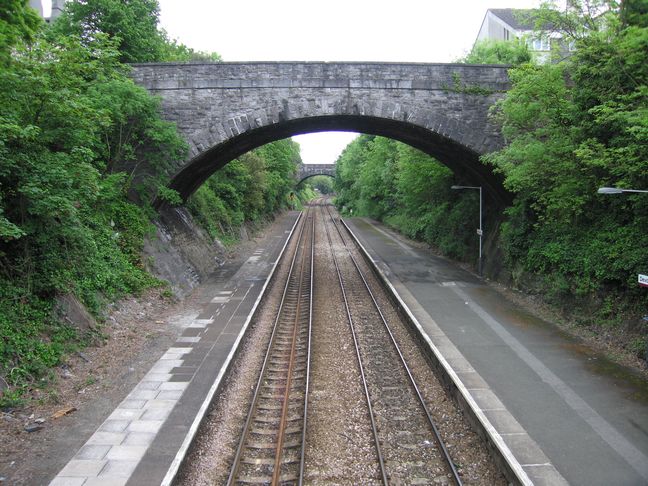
{"x": 311, "y": 170}
{"x": 226, "y": 109}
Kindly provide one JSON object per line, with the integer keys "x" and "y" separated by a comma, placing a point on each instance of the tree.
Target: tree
{"x": 175, "y": 51}
{"x": 324, "y": 184}
{"x": 18, "y": 22}
{"x": 71, "y": 123}
{"x": 347, "y": 169}
{"x": 572, "y": 128}
{"x": 246, "y": 190}
{"x": 409, "y": 191}
{"x": 133, "y": 24}
{"x": 634, "y": 12}
{"x": 281, "y": 161}
{"x": 490, "y": 51}
{"x": 377, "y": 178}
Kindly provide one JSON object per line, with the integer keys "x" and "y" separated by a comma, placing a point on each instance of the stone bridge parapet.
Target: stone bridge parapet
{"x": 226, "y": 109}
{"x": 311, "y": 170}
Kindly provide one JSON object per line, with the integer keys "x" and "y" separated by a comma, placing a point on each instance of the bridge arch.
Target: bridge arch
{"x": 306, "y": 171}
{"x": 225, "y": 110}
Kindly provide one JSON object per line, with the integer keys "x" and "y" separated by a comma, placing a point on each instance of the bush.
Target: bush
{"x": 410, "y": 191}
{"x": 75, "y": 134}
{"x": 246, "y": 190}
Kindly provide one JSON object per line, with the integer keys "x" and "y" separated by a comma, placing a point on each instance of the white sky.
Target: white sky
{"x": 331, "y": 30}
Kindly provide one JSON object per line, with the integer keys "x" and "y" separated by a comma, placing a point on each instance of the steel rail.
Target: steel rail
{"x": 246, "y": 429}
{"x": 383, "y": 471}
{"x": 302, "y": 459}
{"x": 444, "y": 450}
{"x": 276, "y": 475}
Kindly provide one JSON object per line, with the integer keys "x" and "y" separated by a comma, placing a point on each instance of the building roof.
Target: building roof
{"x": 518, "y": 18}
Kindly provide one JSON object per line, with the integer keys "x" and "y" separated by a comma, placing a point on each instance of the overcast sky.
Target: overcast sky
{"x": 330, "y": 30}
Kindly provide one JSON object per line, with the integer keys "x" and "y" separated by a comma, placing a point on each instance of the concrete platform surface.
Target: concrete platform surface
{"x": 567, "y": 413}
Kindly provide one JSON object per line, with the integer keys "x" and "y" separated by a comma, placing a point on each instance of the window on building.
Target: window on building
{"x": 539, "y": 44}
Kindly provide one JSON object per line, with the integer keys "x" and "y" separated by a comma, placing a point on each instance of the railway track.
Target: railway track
{"x": 370, "y": 421}
{"x": 271, "y": 447}
{"x": 409, "y": 448}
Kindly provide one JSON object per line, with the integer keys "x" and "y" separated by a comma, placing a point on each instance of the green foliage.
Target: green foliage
{"x": 22, "y": 353}
{"x": 18, "y": 22}
{"x": 634, "y": 12}
{"x": 134, "y": 139}
{"x": 347, "y": 169}
{"x": 579, "y": 21}
{"x": 281, "y": 161}
{"x": 324, "y": 184}
{"x": 132, "y": 24}
{"x": 408, "y": 190}
{"x": 306, "y": 194}
{"x": 246, "y": 190}
{"x": 377, "y": 179}
{"x": 177, "y": 52}
{"x": 79, "y": 141}
{"x": 169, "y": 196}
{"x": 491, "y": 51}
{"x": 76, "y": 136}
{"x": 572, "y": 128}
{"x": 539, "y": 128}
{"x": 430, "y": 210}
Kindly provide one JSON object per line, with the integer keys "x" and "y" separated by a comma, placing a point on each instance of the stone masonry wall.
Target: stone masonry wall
{"x": 440, "y": 108}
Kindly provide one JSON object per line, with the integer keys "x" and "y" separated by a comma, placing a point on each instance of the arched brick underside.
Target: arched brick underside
{"x": 226, "y": 109}
{"x": 302, "y": 179}
{"x": 458, "y": 158}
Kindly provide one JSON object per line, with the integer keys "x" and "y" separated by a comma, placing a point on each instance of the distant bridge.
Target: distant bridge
{"x": 311, "y": 170}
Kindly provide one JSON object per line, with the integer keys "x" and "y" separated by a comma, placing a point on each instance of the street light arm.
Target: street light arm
{"x": 465, "y": 187}
{"x": 617, "y": 190}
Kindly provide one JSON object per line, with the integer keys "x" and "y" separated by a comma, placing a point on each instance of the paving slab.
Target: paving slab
{"x": 144, "y": 435}
{"x": 566, "y": 413}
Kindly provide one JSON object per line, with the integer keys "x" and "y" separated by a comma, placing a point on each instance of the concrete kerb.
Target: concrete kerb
{"x": 195, "y": 426}
{"x": 510, "y": 466}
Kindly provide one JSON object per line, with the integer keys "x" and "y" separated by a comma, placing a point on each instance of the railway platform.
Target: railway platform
{"x": 566, "y": 413}
{"x": 563, "y": 413}
{"x": 141, "y": 442}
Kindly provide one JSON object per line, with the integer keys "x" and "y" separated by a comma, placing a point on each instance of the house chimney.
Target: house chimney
{"x": 57, "y": 9}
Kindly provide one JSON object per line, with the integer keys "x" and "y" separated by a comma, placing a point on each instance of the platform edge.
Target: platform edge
{"x": 193, "y": 430}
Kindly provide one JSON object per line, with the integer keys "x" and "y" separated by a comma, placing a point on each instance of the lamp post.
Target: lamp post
{"x": 617, "y": 190}
{"x": 480, "y": 231}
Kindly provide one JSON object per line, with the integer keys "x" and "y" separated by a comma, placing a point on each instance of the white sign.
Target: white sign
{"x": 479, "y": 232}
{"x": 643, "y": 280}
